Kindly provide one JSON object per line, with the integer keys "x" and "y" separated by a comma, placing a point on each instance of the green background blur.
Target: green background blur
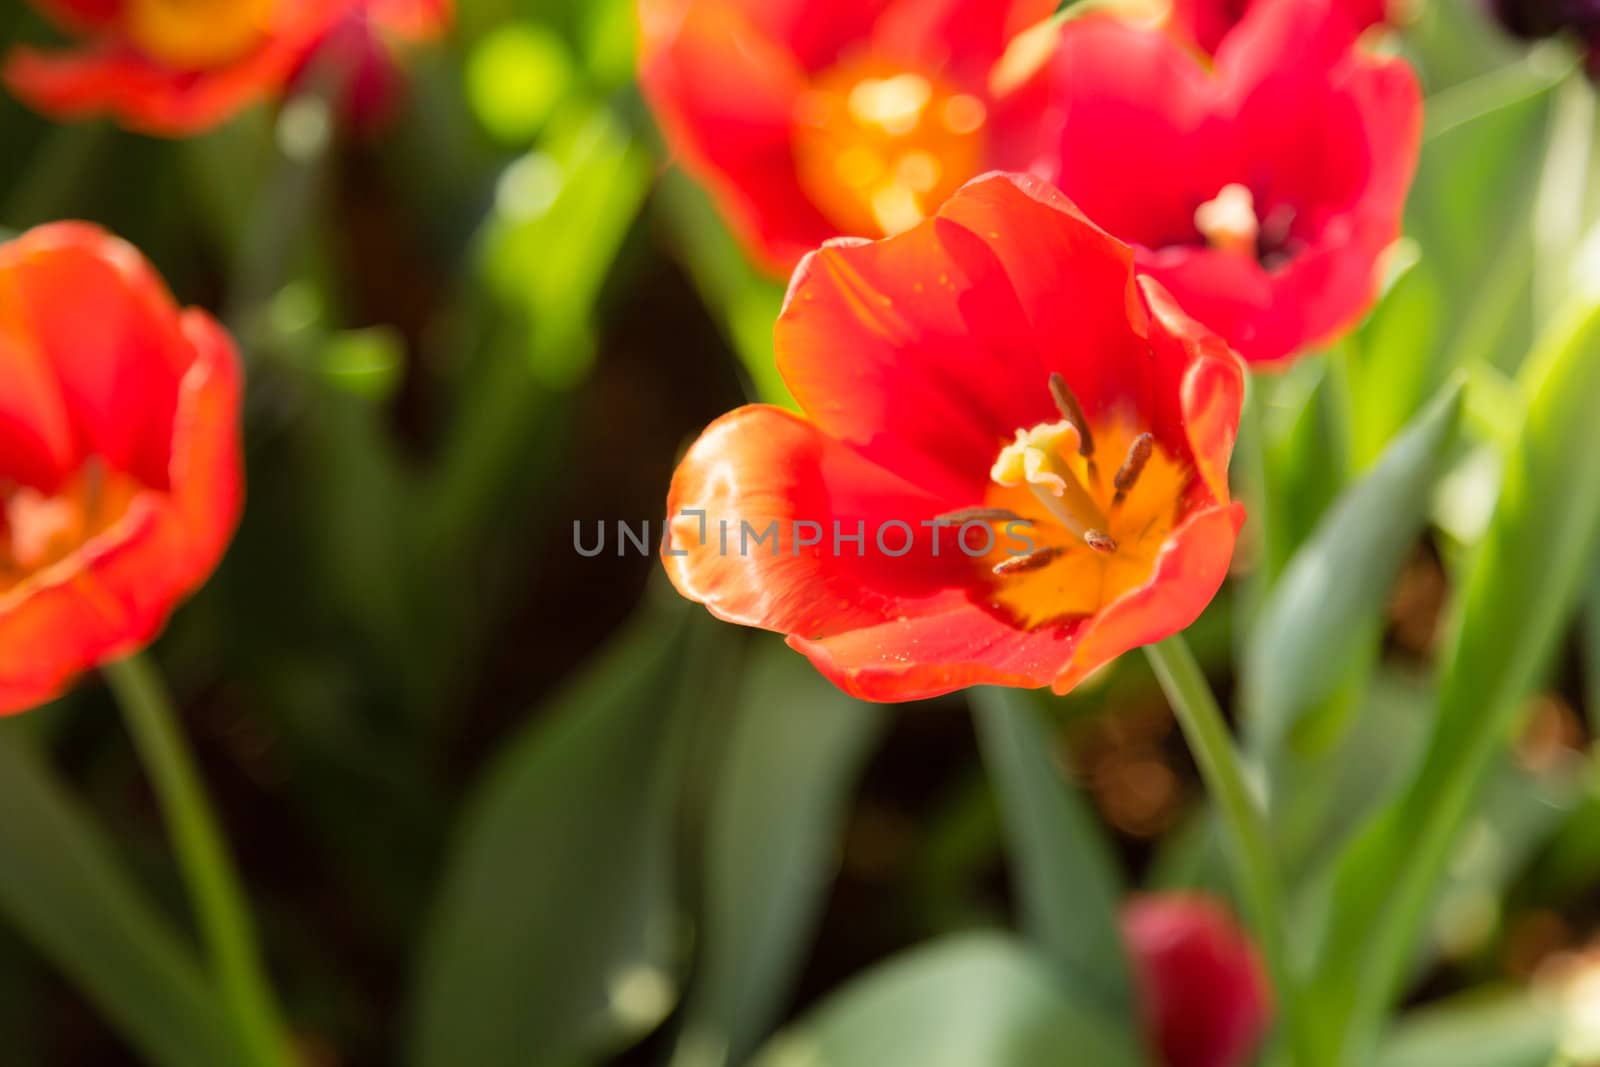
{"x": 489, "y": 796}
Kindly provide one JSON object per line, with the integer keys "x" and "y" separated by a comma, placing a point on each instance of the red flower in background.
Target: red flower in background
{"x": 177, "y": 67}
{"x": 809, "y": 120}
{"x": 1032, "y": 445}
{"x": 1202, "y": 985}
{"x": 1206, "y": 22}
{"x": 1262, "y": 191}
{"x": 120, "y": 479}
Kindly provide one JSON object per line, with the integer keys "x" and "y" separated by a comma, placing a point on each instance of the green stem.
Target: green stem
{"x": 203, "y": 858}
{"x": 1244, "y": 827}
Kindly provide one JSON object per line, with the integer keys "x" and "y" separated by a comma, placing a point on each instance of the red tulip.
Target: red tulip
{"x": 1206, "y": 22}
{"x": 1202, "y": 986}
{"x": 810, "y": 120}
{"x": 120, "y": 480}
{"x": 1261, "y": 190}
{"x": 1031, "y": 444}
{"x": 173, "y": 69}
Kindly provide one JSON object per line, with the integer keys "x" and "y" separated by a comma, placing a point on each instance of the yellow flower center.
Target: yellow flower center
{"x": 1087, "y": 533}
{"x": 195, "y": 34}
{"x": 879, "y": 149}
{"x": 38, "y": 531}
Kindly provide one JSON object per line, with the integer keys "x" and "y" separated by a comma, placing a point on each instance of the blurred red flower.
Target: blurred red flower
{"x": 1207, "y": 22}
{"x": 1202, "y": 986}
{"x": 120, "y": 480}
{"x": 175, "y": 68}
{"x": 1031, "y": 445}
{"x": 810, "y": 120}
{"x": 1262, "y": 191}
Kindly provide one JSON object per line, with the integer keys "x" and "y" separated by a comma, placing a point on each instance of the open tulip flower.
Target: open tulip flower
{"x": 1206, "y": 22}
{"x": 1261, "y": 193}
{"x": 1030, "y": 445}
{"x": 119, "y": 455}
{"x": 810, "y": 120}
{"x": 175, "y": 68}
{"x": 1202, "y": 986}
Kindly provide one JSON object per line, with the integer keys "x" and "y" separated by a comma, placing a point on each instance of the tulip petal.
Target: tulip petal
{"x": 206, "y": 470}
{"x": 1210, "y": 393}
{"x": 138, "y": 405}
{"x": 82, "y": 16}
{"x": 117, "y": 369}
{"x": 931, "y": 349}
{"x": 725, "y": 93}
{"x": 37, "y": 446}
{"x": 1137, "y": 135}
{"x": 957, "y": 645}
{"x": 1327, "y": 145}
{"x": 1075, "y": 286}
{"x": 109, "y": 598}
{"x": 762, "y": 466}
{"x": 962, "y": 38}
{"x": 416, "y": 20}
{"x": 1188, "y": 572}
{"x": 111, "y": 78}
{"x": 1203, "y": 988}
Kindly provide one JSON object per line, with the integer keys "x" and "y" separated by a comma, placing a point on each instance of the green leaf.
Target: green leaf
{"x": 562, "y": 213}
{"x": 1476, "y": 1030}
{"x": 797, "y": 748}
{"x": 1591, "y": 651}
{"x": 61, "y": 888}
{"x": 1518, "y": 593}
{"x": 977, "y": 999}
{"x": 1066, "y": 875}
{"x": 1314, "y": 623}
{"x": 554, "y": 932}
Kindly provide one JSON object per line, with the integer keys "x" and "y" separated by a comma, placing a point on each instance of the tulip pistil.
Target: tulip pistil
{"x": 1233, "y": 221}
{"x": 1228, "y": 221}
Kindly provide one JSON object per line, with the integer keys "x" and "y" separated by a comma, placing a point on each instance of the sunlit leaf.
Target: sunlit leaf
{"x": 1067, "y": 881}
{"x": 1519, "y": 591}
{"x": 778, "y": 806}
{"x": 562, "y": 213}
{"x": 60, "y": 887}
{"x": 1317, "y": 616}
{"x": 969, "y": 1000}
{"x": 554, "y": 932}
{"x": 1478, "y": 1030}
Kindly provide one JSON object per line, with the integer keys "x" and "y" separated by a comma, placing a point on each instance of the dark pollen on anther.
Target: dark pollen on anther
{"x": 1031, "y": 562}
{"x": 1128, "y": 475}
{"x": 1072, "y": 411}
{"x": 966, "y": 515}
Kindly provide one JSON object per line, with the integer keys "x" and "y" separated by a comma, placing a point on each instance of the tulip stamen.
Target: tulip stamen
{"x": 985, "y": 515}
{"x": 1132, "y": 467}
{"x": 94, "y": 479}
{"x": 1067, "y": 403}
{"x": 1100, "y": 541}
{"x": 1032, "y": 561}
